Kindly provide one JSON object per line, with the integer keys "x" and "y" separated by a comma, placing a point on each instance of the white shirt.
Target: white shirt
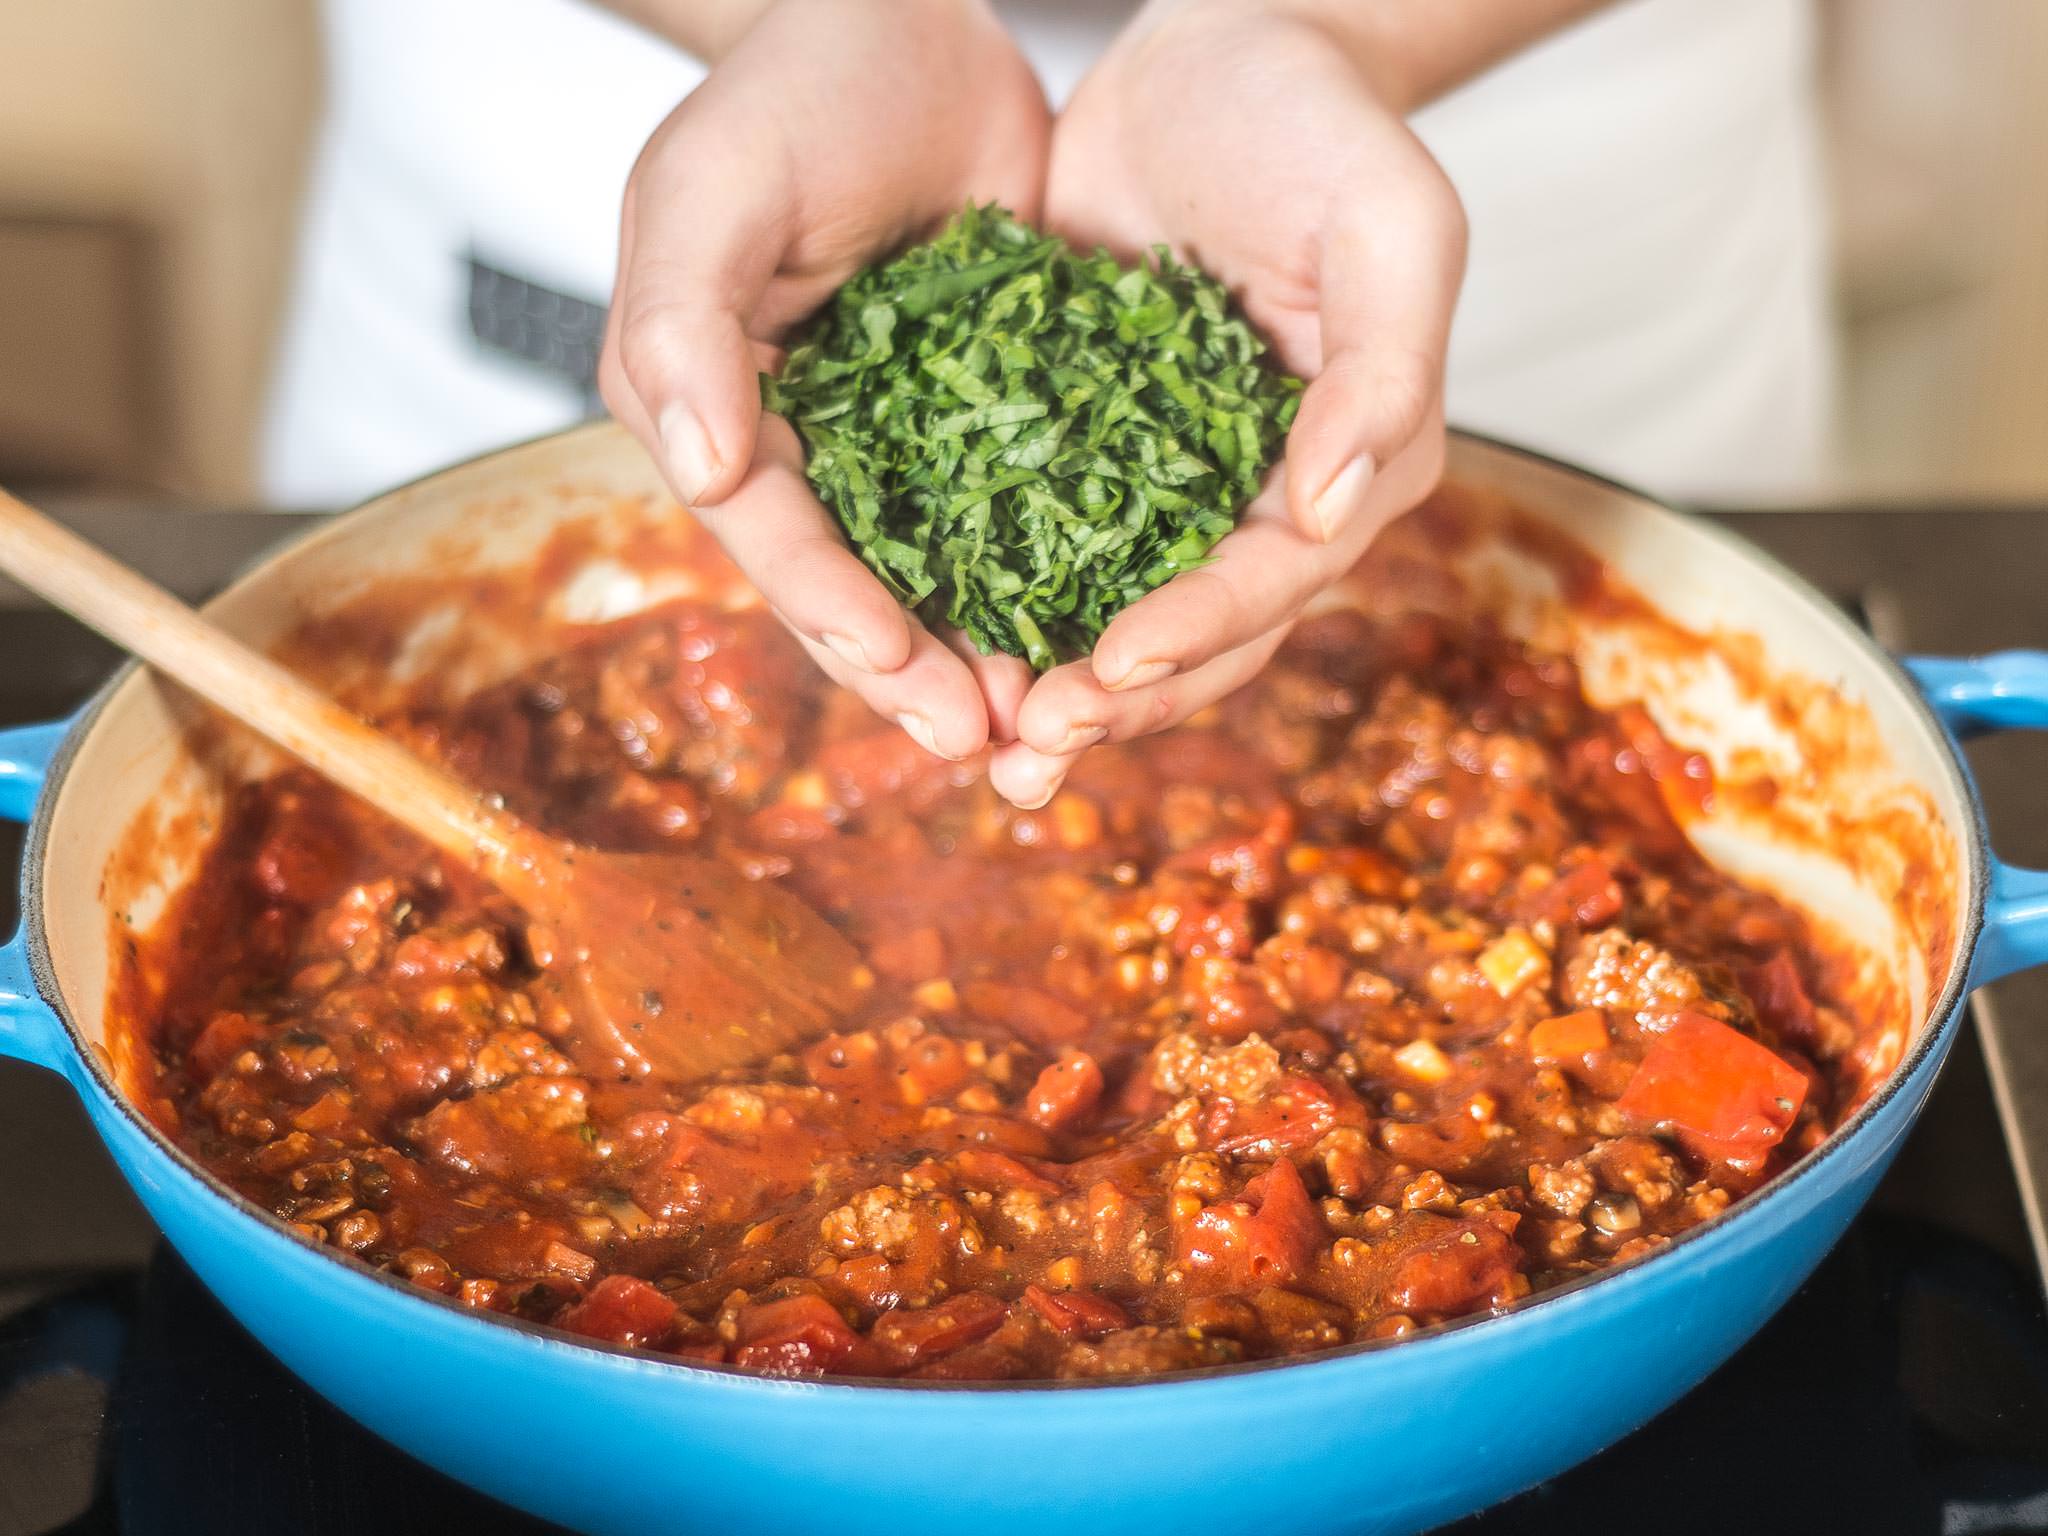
{"x": 1647, "y": 291}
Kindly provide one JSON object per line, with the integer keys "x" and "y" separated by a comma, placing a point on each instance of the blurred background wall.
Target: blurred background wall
{"x": 151, "y": 158}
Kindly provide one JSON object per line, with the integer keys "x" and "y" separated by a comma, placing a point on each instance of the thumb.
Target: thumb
{"x": 1387, "y": 293}
{"x": 701, "y": 233}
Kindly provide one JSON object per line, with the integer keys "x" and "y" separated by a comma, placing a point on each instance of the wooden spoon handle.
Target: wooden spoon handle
{"x": 141, "y": 617}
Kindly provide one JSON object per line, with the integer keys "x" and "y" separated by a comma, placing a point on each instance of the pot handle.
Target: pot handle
{"x": 24, "y": 755}
{"x": 2005, "y": 691}
{"x": 28, "y": 1030}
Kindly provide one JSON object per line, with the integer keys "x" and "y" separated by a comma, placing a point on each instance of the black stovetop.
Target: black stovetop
{"x": 1905, "y": 1388}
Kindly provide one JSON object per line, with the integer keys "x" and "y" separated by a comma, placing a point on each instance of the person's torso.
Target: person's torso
{"x": 1631, "y": 183}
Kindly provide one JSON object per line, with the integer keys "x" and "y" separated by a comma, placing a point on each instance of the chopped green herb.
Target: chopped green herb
{"x": 1021, "y": 439}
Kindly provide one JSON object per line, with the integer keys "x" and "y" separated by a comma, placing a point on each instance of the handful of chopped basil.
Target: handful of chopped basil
{"x": 1020, "y": 439}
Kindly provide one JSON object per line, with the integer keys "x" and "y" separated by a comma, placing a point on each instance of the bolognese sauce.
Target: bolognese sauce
{"x": 1388, "y": 991}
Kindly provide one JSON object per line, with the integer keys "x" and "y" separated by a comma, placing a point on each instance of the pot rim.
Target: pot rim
{"x": 1931, "y": 1042}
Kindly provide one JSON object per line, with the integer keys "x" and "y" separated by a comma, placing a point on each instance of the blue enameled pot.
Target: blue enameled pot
{"x": 1386, "y": 1438}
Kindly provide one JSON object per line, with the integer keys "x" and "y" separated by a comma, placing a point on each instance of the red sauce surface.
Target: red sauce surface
{"x": 1389, "y": 991}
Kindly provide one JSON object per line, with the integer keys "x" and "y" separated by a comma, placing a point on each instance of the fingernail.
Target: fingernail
{"x": 921, "y": 731}
{"x": 1340, "y": 499}
{"x": 848, "y": 650}
{"x": 1144, "y": 672}
{"x": 1080, "y": 738}
{"x": 1052, "y": 787}
{"x": 692, "y": 462}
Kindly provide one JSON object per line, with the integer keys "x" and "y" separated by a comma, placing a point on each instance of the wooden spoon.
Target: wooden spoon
{"x": 667, "y": 961}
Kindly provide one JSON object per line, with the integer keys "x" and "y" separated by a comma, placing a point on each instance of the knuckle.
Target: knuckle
{"x": 654, "y": 342}
{"x": 645, "y": 354}
{"x": 1403, "y": 391}
{"x": 1212, "y": 607}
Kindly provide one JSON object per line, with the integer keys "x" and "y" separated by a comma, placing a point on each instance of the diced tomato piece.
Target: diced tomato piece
{"x": 1452, "y": 1266}
{"x": 1250, "y": 862}
{"x": 1076, "y": 1314}
{"x": 844, "y": 1063}
{"x": 1291, "y": 1118}
{"x": 225, "y": 1037}
{"x": 304, "y": 854}
{"x": 986, "y": 1168}
{"x": 1065, "y": 1091}
{"x": 783, "y": 822}
{"x": 930, "y": 1067}
{"x": 910, "y": 1336}
{"x": 622, "y": 1309}
{"x": 327, "y": 1113}
{"x": 1728, "y": 1098}
{"x": 656, "y": 1138}
{"x": 1139, "y": 1098}
{"x": 1685, "y": 775}
{"x": 917, "y": 954}
{"x": 873, "y": 767}
{"x": 1569, "y": 1036}
{"x": 795, "y": 1336}
{"x": 1586, "y": 894}
{"x": 870, "y": 1279}
{"x": 1222, "y": 927}
{"x": 1779, "y": 993}
{"x": 1031, "y": 1011}
{"x": 1286, "y": 1229}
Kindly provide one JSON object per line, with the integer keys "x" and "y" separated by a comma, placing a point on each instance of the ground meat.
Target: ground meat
{"x": 1146, "y": 1351}
{"x": 1611, "y": 970}
{"x": 519, "y": 1130}
{"x": 1310, "y": 1022}
{"x": 1183, "y": 1064}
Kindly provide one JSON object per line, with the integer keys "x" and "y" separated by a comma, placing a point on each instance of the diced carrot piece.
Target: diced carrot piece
{"x": 1726, "y": 1097}
{"x": 622, "y": 1309}
{"x": 1065, "y": 1091}
{"x": 1569, "y": 1036}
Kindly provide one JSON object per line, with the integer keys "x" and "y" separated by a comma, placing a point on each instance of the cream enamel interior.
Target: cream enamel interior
{"x": 152, "y": 761}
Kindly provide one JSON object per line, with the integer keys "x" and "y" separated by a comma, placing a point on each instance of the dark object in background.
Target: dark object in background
{"x": 553, "y": 331}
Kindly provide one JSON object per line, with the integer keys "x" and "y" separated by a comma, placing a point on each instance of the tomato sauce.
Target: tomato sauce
{"x": 1387, "y": 992}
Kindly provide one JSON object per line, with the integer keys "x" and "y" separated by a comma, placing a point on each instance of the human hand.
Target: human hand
{"x": 1252, "y": 140}
{"x": 832, "y": 132}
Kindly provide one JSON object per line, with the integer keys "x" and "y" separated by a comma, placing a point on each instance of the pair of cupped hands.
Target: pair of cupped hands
{"x": 1246, "y": 134}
